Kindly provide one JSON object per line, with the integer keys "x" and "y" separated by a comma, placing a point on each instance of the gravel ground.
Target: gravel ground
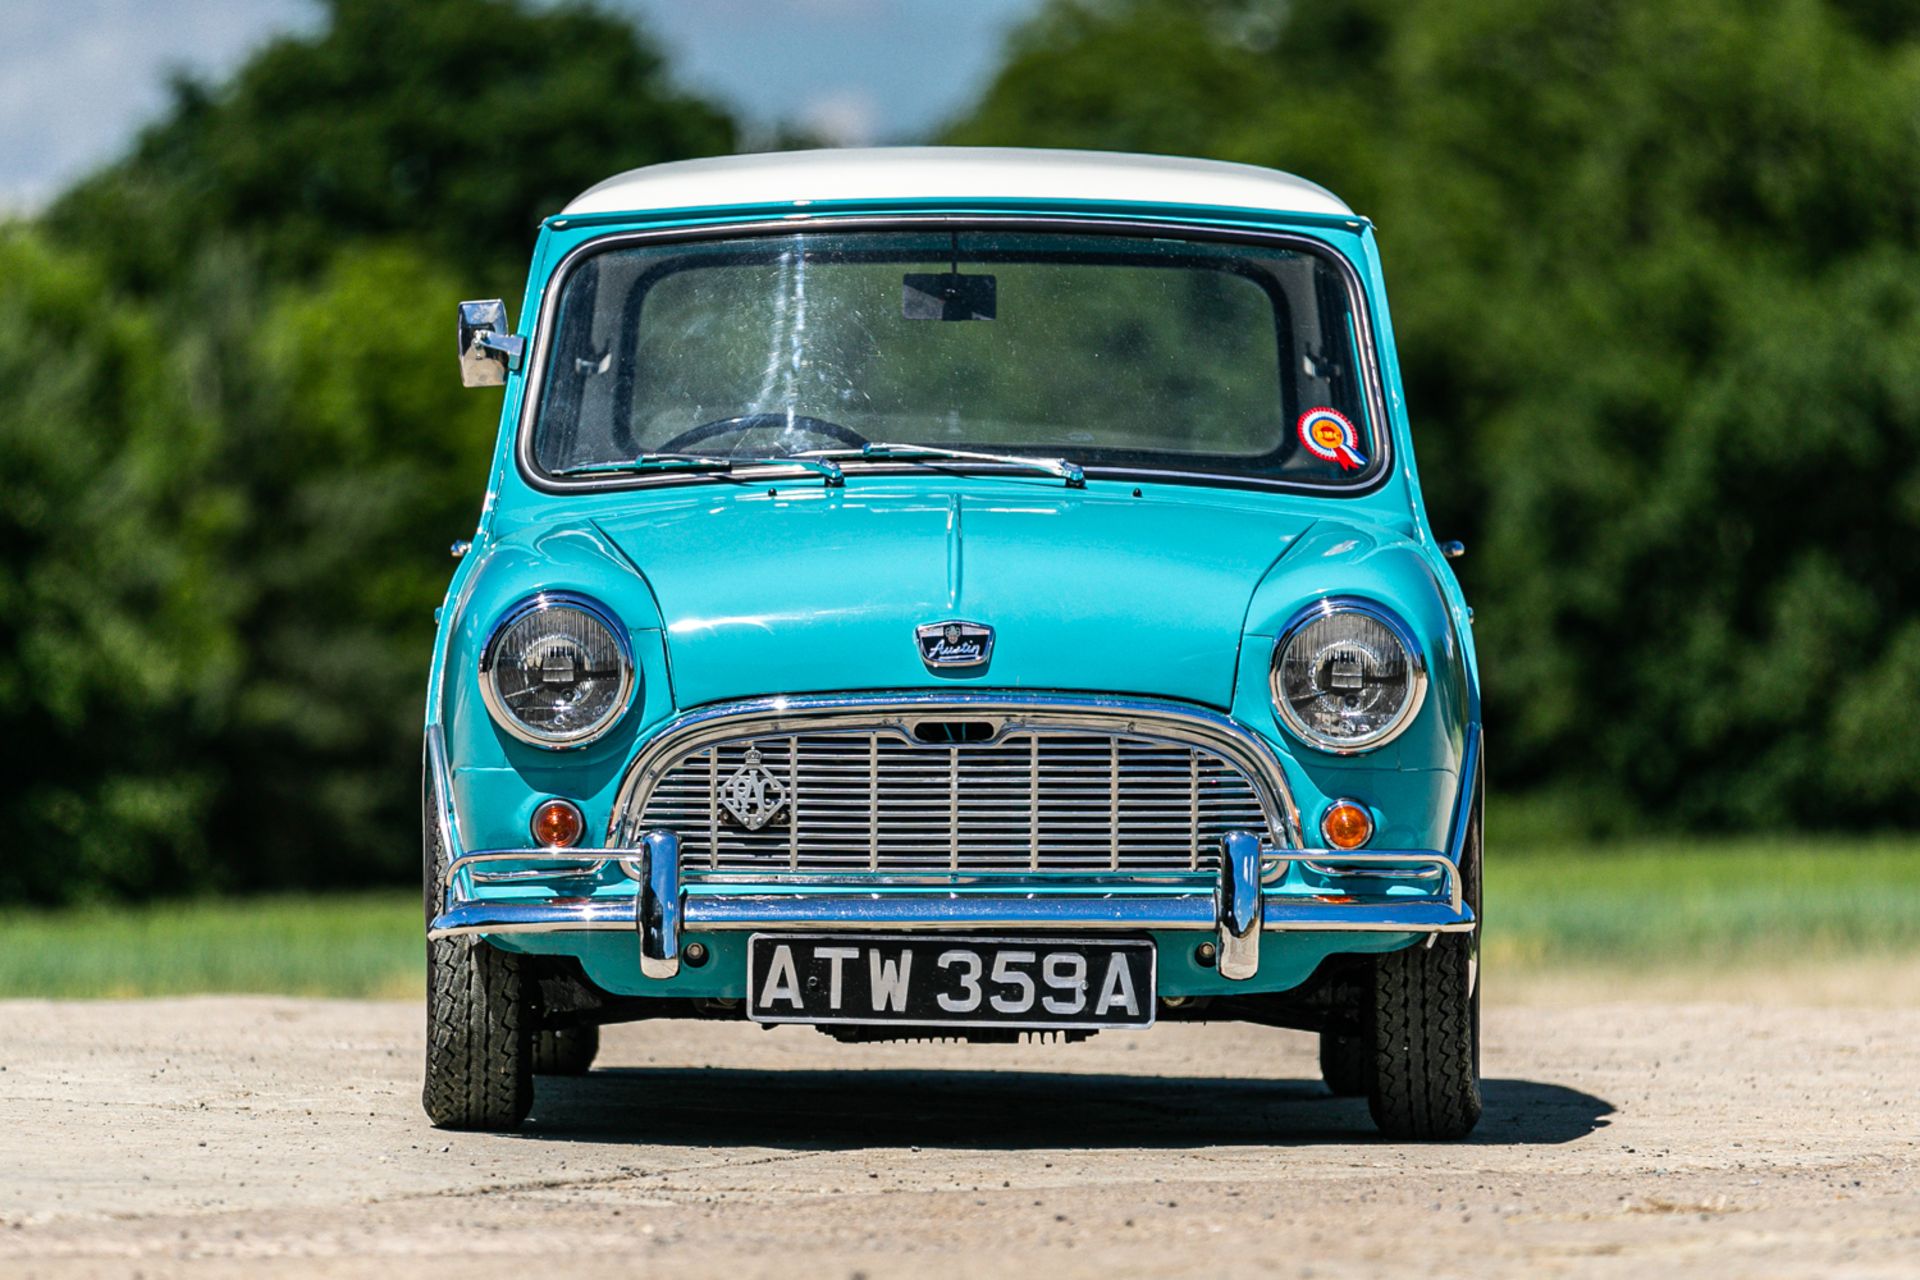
{"x": 1639, "y": 1137}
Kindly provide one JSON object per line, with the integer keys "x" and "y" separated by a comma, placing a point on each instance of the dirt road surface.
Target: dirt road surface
{"x": 234, "y": 1136}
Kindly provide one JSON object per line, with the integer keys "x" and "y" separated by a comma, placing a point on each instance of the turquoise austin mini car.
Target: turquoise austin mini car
{"x": 975, "y": 593}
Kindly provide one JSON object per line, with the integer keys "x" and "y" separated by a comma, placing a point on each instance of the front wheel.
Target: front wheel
{"x": 1426, "y": 1023}
{"x": 1426, "y": 1057}
{"x": 479, "y": 1050}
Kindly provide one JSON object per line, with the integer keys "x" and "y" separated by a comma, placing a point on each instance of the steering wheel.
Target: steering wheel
{"x": 760, "y": 421}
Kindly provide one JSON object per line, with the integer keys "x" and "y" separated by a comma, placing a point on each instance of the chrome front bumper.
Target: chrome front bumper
{"x": 1235, "y": 909}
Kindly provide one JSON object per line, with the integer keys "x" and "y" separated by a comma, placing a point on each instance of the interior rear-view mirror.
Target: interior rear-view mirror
{"x": 948, "y": 295}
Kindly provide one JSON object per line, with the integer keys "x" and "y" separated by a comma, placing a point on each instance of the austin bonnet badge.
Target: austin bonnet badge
{"x": 954, "y": 644}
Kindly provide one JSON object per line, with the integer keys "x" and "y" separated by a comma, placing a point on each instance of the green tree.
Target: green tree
{"x": 456, "y": 123}
{"x": 116, "y": 643}
{"x": 1653, "y": 265}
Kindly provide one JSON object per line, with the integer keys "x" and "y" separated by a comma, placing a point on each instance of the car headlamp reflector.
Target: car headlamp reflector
{"x": 1347, "y": 676}
{"x": 557, "y": 670}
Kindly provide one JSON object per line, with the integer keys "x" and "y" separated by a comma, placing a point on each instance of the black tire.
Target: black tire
{"x": 479, "y": 1050}
{"x": 1346, "y": 1064}
{"x": 567, "y": 1052}
{"x": 1426, "y": 1026}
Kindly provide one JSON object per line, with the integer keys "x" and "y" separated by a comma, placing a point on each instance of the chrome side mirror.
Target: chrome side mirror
{"x": 487, "y": 351}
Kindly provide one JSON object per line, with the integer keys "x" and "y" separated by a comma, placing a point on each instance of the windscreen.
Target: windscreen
{"x": 1128, "y": 353}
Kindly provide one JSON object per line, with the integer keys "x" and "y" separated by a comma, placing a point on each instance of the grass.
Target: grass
{"x": 360, "y": 944}
{"x": 1707, "y": 908}
{"x": 1703, "y": 905}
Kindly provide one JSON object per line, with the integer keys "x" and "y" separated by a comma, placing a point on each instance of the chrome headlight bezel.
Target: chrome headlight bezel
{"x": 547, "y": 602}
{"x": 1401, "y": 633}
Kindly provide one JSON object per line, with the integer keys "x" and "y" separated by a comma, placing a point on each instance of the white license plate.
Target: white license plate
{"x": 935, "y": 980}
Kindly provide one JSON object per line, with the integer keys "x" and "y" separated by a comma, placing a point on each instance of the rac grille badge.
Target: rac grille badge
{"x": 753, "y": 796}
{"x": 946, "y": 645}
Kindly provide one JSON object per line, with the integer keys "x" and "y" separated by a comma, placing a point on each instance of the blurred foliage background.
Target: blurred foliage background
{"x": 1656, "y": 275}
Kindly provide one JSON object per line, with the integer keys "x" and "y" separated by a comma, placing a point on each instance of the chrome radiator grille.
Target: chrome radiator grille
{"x": 883, "y": 802}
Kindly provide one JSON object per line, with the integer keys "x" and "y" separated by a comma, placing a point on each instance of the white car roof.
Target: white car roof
{"x": 926, "y": 173}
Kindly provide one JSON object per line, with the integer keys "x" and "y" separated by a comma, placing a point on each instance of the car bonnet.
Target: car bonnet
{"x": 801, "y": 589}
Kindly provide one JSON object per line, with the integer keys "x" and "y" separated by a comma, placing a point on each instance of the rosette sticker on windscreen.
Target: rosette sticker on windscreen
{"x": 1330, "y": 436}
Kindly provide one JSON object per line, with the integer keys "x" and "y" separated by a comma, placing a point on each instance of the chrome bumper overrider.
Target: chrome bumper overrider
{"x": 1232, "y": 903}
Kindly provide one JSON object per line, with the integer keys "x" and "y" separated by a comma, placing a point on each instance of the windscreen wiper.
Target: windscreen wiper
{"x": 825, "y": 468}
{"x": 882, "y": 452}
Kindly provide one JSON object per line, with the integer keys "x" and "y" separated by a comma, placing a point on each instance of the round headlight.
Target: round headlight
{"x": 557, "y": 670}
{"x": 1347, "y": 676}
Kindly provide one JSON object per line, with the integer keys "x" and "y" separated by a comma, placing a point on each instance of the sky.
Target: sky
{"x": 79, "y": 77}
